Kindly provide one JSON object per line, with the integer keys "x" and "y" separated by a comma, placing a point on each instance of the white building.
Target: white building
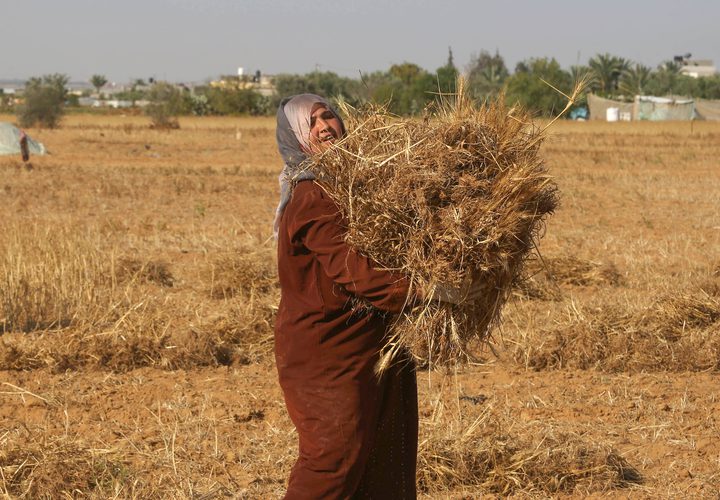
{"x": 698, "y": 68}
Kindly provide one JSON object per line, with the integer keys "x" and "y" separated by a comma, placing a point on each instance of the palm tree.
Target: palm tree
{"x": 486, "y": 74}
{"x": 634, "y": 80}
{"x": 672, "y": 67}
{"x": 98, "y": 81}
{"x": 607, "y": 69}
{"x": 584, "y": 73}
{"x": 667, "y": 77}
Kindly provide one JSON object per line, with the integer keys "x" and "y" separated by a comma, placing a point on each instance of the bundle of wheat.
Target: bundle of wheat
{"x": 458, "y": 196}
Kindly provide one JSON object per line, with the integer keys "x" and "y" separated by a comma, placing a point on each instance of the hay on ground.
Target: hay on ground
{"x": 498, "y": 455}
{"x": 542, "y": 278}
{"x": 677, "y": 331}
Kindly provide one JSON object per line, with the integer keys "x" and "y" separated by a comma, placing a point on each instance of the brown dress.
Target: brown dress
{"x": 358, "y": 432}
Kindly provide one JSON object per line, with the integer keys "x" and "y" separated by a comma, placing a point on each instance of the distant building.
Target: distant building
{"x": 116, "y": 103}
{"x": 109, "y": 103}
{"x": 258, "y": 82}
{"x": 698, "y": 68}
{"x": 87, "y": 101}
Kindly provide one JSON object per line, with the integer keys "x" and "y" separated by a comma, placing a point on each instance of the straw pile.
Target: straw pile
{"x": 458, "y": 196}
{"x": 677, "y": 331}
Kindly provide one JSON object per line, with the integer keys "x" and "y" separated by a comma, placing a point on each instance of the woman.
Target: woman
{"x": 357, "y": 430}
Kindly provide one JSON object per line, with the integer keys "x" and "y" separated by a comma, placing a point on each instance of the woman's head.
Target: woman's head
{"x": 325, "y": 127}
{"x": 306, "y": 124}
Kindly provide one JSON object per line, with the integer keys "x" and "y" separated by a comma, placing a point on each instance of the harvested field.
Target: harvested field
{"x": 137, "y": 298}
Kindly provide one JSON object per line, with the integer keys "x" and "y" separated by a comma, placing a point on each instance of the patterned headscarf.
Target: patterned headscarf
{"x": 293, "y": 136}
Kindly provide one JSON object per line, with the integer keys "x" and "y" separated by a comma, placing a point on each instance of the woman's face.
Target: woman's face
{"x": 325, "y": 128}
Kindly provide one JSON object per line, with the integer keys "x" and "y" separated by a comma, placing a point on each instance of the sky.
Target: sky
{"x": 199, "y": 40}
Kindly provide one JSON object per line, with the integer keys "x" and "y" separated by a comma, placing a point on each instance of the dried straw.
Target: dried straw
{"x": 460, "y": 195}
{"x": 677, "y": 331}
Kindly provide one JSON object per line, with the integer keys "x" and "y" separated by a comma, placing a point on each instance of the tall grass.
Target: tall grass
{"x": 52, "y": 276}
{"x": 70, "y": 299}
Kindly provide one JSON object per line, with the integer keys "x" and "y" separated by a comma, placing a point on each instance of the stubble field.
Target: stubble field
{"x": 138, "y": 291}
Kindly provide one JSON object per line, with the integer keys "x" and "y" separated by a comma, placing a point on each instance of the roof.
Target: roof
{"x": 699, "y": 62}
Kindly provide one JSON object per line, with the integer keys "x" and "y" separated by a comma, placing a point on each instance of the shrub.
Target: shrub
{"x": 166, "y": 103}
{"x": 527, "y": 86}
{"x": 44, "y": 101}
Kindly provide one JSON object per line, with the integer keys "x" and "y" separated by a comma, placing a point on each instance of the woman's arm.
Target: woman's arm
{"x": 317, "y": 224}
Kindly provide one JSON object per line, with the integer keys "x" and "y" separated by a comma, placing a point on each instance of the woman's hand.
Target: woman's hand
{"x": 469, "y": 291}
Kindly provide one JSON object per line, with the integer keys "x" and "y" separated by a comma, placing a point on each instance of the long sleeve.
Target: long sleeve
{"x": 318, "y": 227}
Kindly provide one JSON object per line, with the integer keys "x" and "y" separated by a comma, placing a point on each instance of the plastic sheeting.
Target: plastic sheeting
{"x": 598, "y": 107}
{"x": 662, "y": 108}
{"x": 10, "y": 141}
{"x": 654, "y": 108}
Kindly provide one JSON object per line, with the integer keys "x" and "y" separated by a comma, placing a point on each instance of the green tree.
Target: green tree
{"x": 370, "y": 83}
{"x": 166, "y": 103}
{"x": 447, "y": 76}
{"x": 411, "y": 88}
{"x": 634, "y": 80}
{"x": 405, "y": 88}
{"x": 234, "y": 101}
{"x": 608, "y": 69}
{"x": 527, "y": 88}
{"x": 324, "y": 83}
{"x": 581, "y": 72}
{"x": 407, "y": 73}
{"x": 709, "y": 87}
{"x": 98, "y": 81}
{"x": 486, "y": 75}
{"x": 5, "y": 102}
{"x": 199, "y": 104}
{"x": 379, "y": 88}
{"x": 668, "y": 80}
{"x": 44, "y": 101}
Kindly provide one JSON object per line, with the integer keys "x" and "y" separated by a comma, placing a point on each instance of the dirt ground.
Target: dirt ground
{"x": 140, "y": 365}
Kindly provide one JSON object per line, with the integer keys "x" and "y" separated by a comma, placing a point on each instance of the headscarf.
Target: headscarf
{"x": 293, "y": 136}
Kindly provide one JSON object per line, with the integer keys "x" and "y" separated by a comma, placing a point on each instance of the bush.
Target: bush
{"x": 44, "y": 101}
{"x": 526, "y": 86}
{"x": 6, "y": 102}
{"x": 199, "y": 105}
{"x": 166, "y": 103}
{"x": 236, "y": 102}
{"x": 324, "y": 83}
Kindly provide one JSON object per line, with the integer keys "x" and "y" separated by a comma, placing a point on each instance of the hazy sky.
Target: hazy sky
{"x": 189, "y": 40}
